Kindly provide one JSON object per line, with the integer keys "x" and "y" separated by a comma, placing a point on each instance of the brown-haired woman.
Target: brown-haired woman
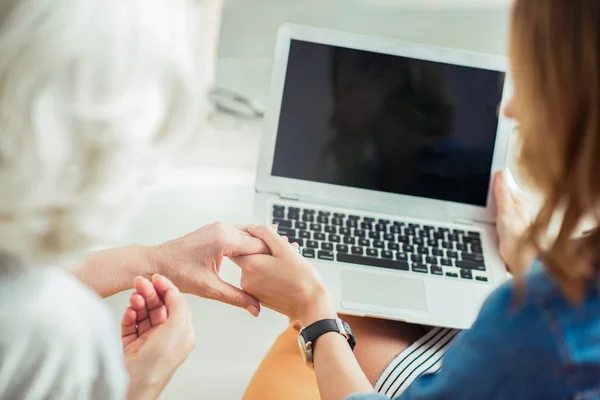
{"x": 539, "y": 336}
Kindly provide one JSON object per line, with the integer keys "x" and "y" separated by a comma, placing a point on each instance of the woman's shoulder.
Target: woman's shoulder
{"x": 60, "y": 337}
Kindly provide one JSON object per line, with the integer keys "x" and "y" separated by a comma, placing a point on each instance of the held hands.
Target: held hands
{"x": 157, "y": 336}
{"x": 193, "y": 262}
{"x": 284, "y": 281}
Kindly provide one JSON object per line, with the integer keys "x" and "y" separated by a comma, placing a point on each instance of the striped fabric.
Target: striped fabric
{"x": 423, "y": 357}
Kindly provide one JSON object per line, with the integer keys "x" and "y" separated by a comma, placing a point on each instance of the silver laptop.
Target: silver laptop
{"x": 377, "y": 160}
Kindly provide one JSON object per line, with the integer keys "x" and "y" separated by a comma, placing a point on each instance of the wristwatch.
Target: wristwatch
{"x": 308, "y": 336}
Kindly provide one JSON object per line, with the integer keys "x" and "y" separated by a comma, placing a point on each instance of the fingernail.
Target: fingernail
{"x": 252, "y": 310}
{"x": 174, "y": 291}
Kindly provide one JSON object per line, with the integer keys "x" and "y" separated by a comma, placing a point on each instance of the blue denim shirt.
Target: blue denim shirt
{"x": 535, "y": 346}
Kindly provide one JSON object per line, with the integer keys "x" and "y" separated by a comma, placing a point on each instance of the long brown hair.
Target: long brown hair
{"x": 555, "y": 49}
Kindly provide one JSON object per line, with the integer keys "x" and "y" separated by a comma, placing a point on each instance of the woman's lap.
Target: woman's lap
{"x": 283, "y": 374}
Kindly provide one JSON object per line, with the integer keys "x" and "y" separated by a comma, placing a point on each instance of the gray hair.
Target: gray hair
{"x": 90, "y": 92}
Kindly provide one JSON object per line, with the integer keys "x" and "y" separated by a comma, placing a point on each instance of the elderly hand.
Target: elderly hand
{"x": 193, "y": 262}
{"x": 513, "y": 218}
{"x": 157, "y": 335}
{"x": 284, "y": 280}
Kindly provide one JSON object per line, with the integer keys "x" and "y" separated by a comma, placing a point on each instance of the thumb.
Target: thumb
{"x": 500, "y": 188}
{"x": 229, "y": 294}
{"x": 177, "y": 308}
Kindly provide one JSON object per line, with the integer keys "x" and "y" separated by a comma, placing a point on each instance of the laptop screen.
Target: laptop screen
{"x": 388, "y": 123}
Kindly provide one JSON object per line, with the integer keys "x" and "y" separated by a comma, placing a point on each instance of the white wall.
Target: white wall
{"x": 249, "y": 29}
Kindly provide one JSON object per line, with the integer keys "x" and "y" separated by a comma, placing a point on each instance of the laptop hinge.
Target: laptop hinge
{"x": 463, "y": 221}
{"x": 285, "y": 196}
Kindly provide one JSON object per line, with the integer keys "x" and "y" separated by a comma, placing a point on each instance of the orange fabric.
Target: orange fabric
{"x": 282, "y": 374}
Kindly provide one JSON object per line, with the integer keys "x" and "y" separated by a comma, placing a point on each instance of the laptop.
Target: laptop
{"x": 377, "y": 160}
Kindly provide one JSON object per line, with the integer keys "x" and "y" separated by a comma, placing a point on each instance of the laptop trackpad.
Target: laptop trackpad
{"x": 363, "y": 289}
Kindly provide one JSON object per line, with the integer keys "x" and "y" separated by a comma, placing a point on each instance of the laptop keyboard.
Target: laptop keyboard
{"x": 383, "y": 243}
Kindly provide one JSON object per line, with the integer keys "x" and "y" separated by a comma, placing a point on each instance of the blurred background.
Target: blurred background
{"x": 214, "y": 179}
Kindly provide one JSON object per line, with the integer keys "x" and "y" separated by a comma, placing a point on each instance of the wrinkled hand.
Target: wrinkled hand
{"x": 284, "y": 280}
{"x": 513, "y": 218}
{"x": 193, "y": 262}
{"x": 157, "y": 335}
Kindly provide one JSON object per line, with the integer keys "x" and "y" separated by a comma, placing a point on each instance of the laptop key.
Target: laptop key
{"x": 472, "y": 257}
{"x": 337, "y": 221}
{"x": 351, "y": 223}
{"x": 330, "y": 229}
{"x": 421, "y": 268}
{"x": 461, "y": 247}
{"x": 458, "y": 232}
{"x": 356, "y": 250}
{"x": 278, "y": 207}
{"x": 364, "y": 242}
{"x": 402, "y": 256}
{"x": 407, "y": 248}
{"x": 327, "y": 246}
{"x": 384, "y": 221}
{"x": 345, "y": 231}
{"x": 316, "y": 227}
{"x": 474, "y": 234}
{"x": 381, "y": 228}
{"x": 374, "y": 235}
{"x": 409, "y": 232}
{"x": 431, "y": 260}
{"x": 339, "y": 215}
{"x": 452, "y": 254}
{"x": 334, "y": 238}
{"x": 349, "y": 240}
{"x": 466, "y": 274}
{"x": 319, "y": 236}
{"x": 395, "y": 229}
{"x": 326, "y": 255}
{"x": 324, "y": 213}
{"x": 389, "y": 237}
{"x": 451, "y": 274}
{"x": 308, "y": 253}
{"x": 373, "y": 252}
{"x": 294, "y": 209}
{"x": 470, "y": 265}
{"x": 472, "y": 241}
{"x": 481, "y": 279}
{"x": 422, "y": 250}
{"x": 342, "y": 248}
{"x": 284, "y": 223}
{"x": 476, "y": 249}
{"x": 404, "y": 239}
{"x": 416, "y": 258}
{"x": 365, "y": 225}
{"x": 447, "y": 245}
{"x": 369, "y": 220}
{"x": 414, "y": 226}
{"x": 452, "y": 238}
{"x": 294, "y": 216}
{"x": 286, "y": 232}
{"x": 360, "y": 233}
{"x": 398, "y": 223}
{"x": 436, "y": 270}
{"x": 379, "y": 244}
{"x": 387, "y": 254}
{"x": 309, "y": 211}
{"x": 311, "y": 244}
{"x": 304, "y": 234}
{"x": 278, "y": 213}
{"x": 308, "y": 217}
{"x": 372, "y": 261}
{"x": 301, "y": 225}
{"x": 393, "y": 246}
{"x": 322, "y": 219}
{"x": 446, "y": 262}
{"x": 437, "y": 252}
{"x": 354, "y": 217}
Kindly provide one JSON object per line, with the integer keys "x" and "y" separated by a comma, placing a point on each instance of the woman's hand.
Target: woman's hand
{"x": 512, "y": 219}
{"x": 157, "y": 335}
{"x": 285, "y": 281}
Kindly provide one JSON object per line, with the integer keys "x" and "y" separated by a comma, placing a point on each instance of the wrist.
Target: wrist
{"x": 319, "y": 307}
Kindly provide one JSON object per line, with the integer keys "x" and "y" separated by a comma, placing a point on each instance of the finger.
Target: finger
{"x": 270, "y": 236}
{"x": 128, "y": 326}
{"x": 162, "y": 285}
{"x": 138, "y": 303}
{"x": 177, "y": 307}
{"x": 245, "y": 244}
{"x": 229, "y": 294}
{"x": 145, "y": 288}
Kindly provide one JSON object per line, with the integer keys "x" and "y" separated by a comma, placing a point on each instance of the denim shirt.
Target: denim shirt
{"x": 527, "y": 343}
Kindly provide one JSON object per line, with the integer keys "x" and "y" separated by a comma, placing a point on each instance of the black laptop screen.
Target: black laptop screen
{"x": 386, "y": 123}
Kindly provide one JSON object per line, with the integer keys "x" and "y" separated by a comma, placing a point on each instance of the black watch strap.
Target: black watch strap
{"x": 312, "y": 332}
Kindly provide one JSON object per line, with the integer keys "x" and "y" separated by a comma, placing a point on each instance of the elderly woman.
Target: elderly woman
{"x": 91, "y": 92}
